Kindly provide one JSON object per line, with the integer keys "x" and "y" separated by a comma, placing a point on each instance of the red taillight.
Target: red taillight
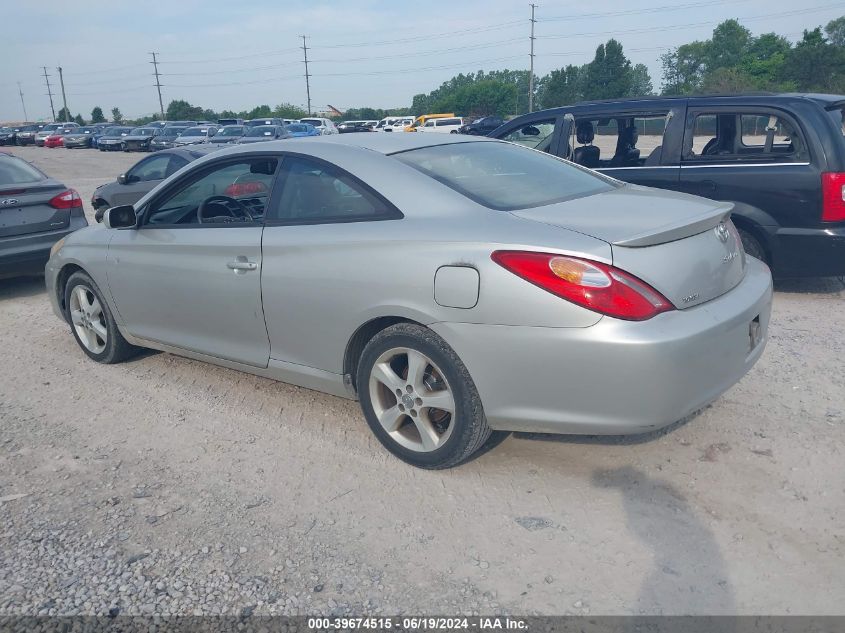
{"x": 833, "y": 197}
{"x": 593, "y": 285}
{"x": 66, "y": 200}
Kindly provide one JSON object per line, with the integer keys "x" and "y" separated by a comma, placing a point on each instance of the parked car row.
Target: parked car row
{"x": 159, "y": 135}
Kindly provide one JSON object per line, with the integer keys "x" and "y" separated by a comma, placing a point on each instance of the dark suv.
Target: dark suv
{"x": 779, "y": 158}
{"x": 482, "y": 126}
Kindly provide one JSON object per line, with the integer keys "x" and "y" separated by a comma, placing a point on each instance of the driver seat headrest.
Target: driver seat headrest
{"x": 584, "y": 132}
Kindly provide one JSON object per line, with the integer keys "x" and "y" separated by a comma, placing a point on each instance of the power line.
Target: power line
{"x": 418, "y": 38}
{"x": 676, "y": 27}
{"x": 158, "y": 86}
{"x": 228, "y": 59}
{"x": 613, "y": 14}
{"x": 49, "y": 92}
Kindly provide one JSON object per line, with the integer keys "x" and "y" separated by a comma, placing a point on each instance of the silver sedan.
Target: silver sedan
{"x": 456, "y": 286}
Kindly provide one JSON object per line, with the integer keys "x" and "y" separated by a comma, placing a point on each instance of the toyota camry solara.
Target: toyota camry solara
{"x": 456, "y": 286}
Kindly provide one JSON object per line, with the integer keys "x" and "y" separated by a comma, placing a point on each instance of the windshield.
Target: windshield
{"x": 300, "y": 127}
{"x": 502, "y": 176}
{"x": 264, "y": 130}
{"x": 195, "y": 131}
{"x": 50, "y": 128}
{"x": 118, "y": 131}
{"x": 86, "y": 130}
{"x": 314, "y": 122}
{"x": 14, "y": 171}
{"x": 172, "y": 131}
{"x": 236, "y": 130}
{"x": 142, "y": 131}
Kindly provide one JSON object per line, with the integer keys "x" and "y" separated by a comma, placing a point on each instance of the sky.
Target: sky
{"x": 224, "y": 54}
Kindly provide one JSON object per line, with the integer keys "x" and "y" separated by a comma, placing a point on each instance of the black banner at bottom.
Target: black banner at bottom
{"x": 415, "y": 624}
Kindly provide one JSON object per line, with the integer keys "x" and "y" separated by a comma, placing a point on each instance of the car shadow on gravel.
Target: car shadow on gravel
{"x": 618, "y": 440}
{"x": 689, "y": 574}
{"x": 811, "y": 285}
{"x": 20, "y": 287}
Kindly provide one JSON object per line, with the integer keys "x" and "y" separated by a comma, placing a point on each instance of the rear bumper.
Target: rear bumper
{"x": 615, "y": 377}
{"x": 27, "y": 254}
{"x": 809, "y": 252}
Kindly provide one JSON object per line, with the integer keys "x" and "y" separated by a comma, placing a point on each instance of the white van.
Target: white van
{"x": 399, "y": 124}
{"x": 444, "y": 126}
{"x": 324, "y": 126}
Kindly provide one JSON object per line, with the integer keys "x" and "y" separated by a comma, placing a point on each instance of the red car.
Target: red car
{"x": 56, "y": 139}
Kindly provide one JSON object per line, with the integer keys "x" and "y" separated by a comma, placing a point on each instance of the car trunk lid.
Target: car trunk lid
{"x": 683, "y": 246}
{"x": 25, "y": 208}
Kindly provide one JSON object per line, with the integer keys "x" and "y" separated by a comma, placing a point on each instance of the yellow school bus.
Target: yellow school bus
{"x": 420, "y": 120}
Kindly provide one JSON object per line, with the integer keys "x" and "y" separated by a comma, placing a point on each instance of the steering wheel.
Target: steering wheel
{"x": 235, "y": 208}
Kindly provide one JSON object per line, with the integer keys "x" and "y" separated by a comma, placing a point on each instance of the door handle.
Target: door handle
{"x": 241, "y": 265}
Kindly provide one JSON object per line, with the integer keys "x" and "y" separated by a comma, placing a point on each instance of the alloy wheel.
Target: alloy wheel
{"x": 412, "y": 399}
{"x": 88, "y": 319}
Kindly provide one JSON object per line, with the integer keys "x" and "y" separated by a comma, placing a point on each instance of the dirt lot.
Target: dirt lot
{"x": 165, "y": 485}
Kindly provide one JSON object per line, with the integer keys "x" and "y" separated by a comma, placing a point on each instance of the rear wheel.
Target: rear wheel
{"x": 92, "y": 323}
{"x": 419, "y": 398}
{"x": 752, "y": 245}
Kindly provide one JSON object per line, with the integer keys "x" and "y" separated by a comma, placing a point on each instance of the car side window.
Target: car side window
{"x": 536, "y": 135}
{"x": 743, "y": 137}
{"x": 153, "y": 168}
{"x": 176, "y": 163}
{"x": 314, "y": 192}
{"x": 622, "y": 141}
{"x": 223, "y": 194}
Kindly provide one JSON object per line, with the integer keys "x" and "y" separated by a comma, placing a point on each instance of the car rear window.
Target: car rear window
{"x": 269, "y": 130}
{"x": 503, "y": 176}
{"x": 14, "y": 171}
{"x": 838, "y": 117}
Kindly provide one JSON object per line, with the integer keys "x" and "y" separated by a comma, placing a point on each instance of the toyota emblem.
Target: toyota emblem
{"x": 722, "y": 232}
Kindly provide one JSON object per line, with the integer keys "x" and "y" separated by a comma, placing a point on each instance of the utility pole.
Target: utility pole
{"x": 49, "y": 93}
{"x": 307, "y": 76}
{"x": 531, "y": 72}
{"x": 158, "y": 85}
{"x": 20, "y": 91}
{"x": 64, "y": 97}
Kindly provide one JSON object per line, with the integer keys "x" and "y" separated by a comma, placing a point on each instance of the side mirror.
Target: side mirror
{"x": 530, "y": 130}
{"x": 122, "y": 217}
{"x": 122, "y": 179}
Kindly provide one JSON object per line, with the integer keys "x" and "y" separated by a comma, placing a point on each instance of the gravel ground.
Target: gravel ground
{"x": 165, "y": 485}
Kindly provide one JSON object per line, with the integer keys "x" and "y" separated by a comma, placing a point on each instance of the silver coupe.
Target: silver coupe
{"x": 456, "y": 286}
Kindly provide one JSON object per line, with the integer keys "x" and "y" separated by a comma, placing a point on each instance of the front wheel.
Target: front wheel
{"x": 92, "y": 323}
{"x": 419, "y": 398}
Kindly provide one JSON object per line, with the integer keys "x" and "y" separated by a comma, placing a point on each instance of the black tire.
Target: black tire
{"x": 752, "y": 245}
{"x": 116, "y": 348}
{"x": 469, "y": 428}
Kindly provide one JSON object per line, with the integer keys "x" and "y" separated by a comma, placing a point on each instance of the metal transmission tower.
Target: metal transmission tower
{"x": 531, "y": 72}
{"x": 158, "y": 85}
{"x": 23, "y": 105}
{"x": 49, "y": 93}
{"x": 307, "y": 76}
{"x": 64, "y": 97}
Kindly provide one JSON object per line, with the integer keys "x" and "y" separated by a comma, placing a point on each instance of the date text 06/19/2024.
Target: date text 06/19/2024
{"x": 408, "y": 623}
